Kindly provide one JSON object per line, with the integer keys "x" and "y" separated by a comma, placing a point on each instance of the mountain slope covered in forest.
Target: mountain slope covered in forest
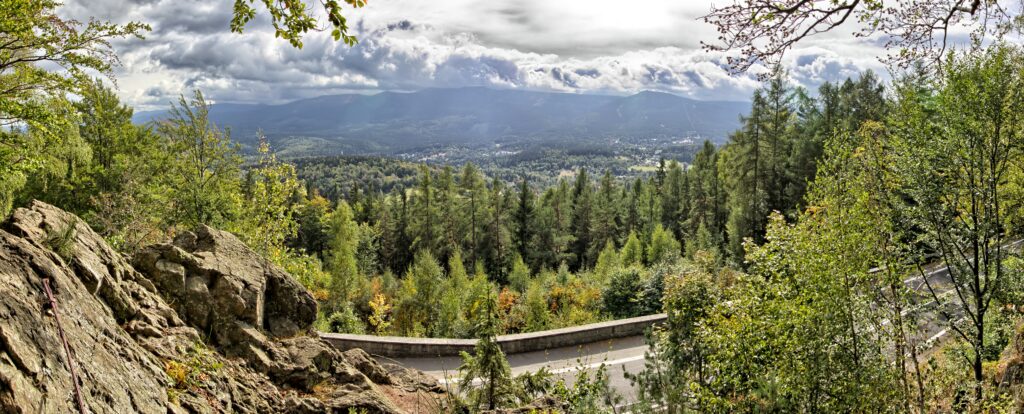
{"x": 394, "y": 120}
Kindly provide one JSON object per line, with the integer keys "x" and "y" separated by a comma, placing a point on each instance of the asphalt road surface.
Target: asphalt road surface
{"x": 618, "y": 355}
{"x": 627, "y": 354}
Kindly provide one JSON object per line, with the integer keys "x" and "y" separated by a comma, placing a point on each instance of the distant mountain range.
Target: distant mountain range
{"x": 394, "y": 120}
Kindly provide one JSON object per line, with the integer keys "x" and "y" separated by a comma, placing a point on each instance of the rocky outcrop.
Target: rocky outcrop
{"x": 201, "y": 325}
{"x": 220, "y": 286}
{"x": 1009, "y": 371}
{"x": 96, "y": 293}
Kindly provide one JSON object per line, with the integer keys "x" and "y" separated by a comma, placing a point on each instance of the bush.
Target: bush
{"x": 649, "y": 299}
{"x": 621, "y": 296}
{"x": 345, "y": 321}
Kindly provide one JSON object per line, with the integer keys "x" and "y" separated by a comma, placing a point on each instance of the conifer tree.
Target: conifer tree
{"x": 474, "y": 196}
{"x": 424, "y": 226}
{"x": 606, "y": 219}
{"x": 581, "y": 220}
{"x": 607, "y": 262}
{"x": 487, "y": 364}
{"x": 672, "y": 199}
{"x": 633, "y": 251}
{"x": 524, "y": 219}
{"x": 446, "y": 197}
{"x": 663, "y": 246}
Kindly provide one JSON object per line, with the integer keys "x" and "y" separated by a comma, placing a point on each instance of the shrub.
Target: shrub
{"x": 621, "y": 296}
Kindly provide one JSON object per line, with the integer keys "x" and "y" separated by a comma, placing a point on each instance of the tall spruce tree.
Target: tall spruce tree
{"x": 524, "y": 219}
{"x": 582, "y": 198}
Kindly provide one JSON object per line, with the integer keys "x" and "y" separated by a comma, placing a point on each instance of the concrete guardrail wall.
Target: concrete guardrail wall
{"x": 397, "y": 346}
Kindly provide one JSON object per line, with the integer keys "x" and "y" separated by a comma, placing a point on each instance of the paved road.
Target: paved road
{"x": 932, "y": 324}
{"x": 627, "y": 354}
{"x": 619, "y": 355}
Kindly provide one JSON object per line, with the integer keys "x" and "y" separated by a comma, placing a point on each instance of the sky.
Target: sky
{"x": 575, "y": 46}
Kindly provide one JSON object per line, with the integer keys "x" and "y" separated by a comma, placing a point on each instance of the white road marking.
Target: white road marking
{"x": 619, "y": 361}
{"x": 613, "y": 362}
{"x": 927, "y": 274}
{"x": 938, "y": 335}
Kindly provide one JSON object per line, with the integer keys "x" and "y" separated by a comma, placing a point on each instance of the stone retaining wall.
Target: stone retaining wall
{"x": 398, "y": 347}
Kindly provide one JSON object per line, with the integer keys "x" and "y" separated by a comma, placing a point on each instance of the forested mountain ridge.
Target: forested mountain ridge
{"x": 391, "y": 121}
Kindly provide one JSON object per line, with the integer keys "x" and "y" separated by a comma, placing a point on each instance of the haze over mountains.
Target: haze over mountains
{"x": 391, "y": 121}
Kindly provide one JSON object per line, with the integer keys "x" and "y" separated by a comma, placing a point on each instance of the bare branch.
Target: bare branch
{"x": 762, "y": 31}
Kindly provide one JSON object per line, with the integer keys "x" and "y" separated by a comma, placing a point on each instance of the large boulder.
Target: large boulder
{"x": 220, "y": 286}
{"x": 200, "y": 325}
{"x": 249, "y": 307}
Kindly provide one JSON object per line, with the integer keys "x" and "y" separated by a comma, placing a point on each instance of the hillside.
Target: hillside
{"x": 200, "y": 325}
{"x": 391, "y": 121}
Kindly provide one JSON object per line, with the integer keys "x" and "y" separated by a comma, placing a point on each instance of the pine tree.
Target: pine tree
{"x": 451, "y": 321}
{"x": 448, "y": 219}
{"x": 424, "y": 285}
{"x": 663, "y": 246}
{"x": 607, "y": 261}
{"x": 748, "y": 203}
{"x": 424, "y": 225}
{"x": 391, "y": 233}
{"x": 519, "y": 276}
{"x": 779, "y": 117}
{"x": 707, "y": 197}
{"x": 632, "y": 196}
{"x": 474, "y": 194}
{"x": 552, "y": 239}
{"x": 523, "y": 218}
{"x": 581, "y": 220}
{"x": 487, "y": 364}
{"x": 606, "y": 220}
{"x": 672, "y": 199}
{"x": 498, "y": 244}
{"x": 650, "y": 208}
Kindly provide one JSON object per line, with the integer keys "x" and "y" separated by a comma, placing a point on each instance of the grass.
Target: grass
{"x": 62, "y": 240}
{"x": 191, "y": 373}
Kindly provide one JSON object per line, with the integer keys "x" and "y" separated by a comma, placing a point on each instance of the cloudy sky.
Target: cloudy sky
{"x": 580, "y": 46}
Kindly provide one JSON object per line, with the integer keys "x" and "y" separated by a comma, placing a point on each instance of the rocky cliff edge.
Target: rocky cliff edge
{"x": 199, "y": 325}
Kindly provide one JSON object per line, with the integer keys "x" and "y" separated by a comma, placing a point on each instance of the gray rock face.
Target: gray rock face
{"x": 220, "y": 286}
{"x": 96, "y": 293}
{"x": 132, "y": 329}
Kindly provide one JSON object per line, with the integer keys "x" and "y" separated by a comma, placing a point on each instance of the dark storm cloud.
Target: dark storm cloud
{"x": 197, "y": 18}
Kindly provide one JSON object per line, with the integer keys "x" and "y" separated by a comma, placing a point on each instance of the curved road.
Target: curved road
{"x": 627, "y": 354}
{"x": 619, "y": 355}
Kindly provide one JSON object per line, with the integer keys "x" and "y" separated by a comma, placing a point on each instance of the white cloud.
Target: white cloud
{"x": 593, "y": 46}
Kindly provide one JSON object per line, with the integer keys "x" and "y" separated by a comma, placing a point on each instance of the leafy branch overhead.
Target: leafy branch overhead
{"x": 292, "y": 19}
{"x": 34, "y": 41}
{"x": 31, "y": 35}
{"x": 761, "y": 31}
